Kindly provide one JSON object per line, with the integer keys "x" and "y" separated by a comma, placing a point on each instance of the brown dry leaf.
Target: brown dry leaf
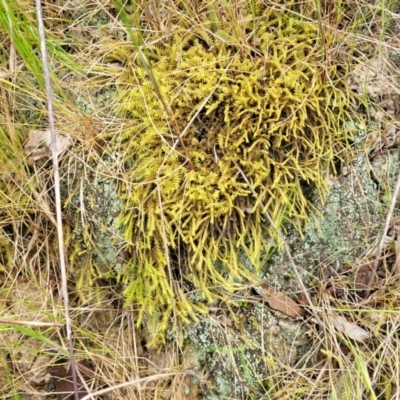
{"x": 63, "y": 380}
{"x": 350, "y": 329}
{"x": 38, "y": 146}
{"x": 363, "y": 276}
{"x": 280, "y": 301}
{"x": 225, "y": 321}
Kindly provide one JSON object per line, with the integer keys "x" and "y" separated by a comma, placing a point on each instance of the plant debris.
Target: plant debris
{"x": 279, "y": 301}
{"x": 38, "y": 146}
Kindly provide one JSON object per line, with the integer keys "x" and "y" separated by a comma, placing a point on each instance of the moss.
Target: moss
{"x": 6, "y": 252}
{"x": 210, "y": 119}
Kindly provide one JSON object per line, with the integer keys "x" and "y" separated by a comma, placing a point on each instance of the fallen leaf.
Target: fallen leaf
{"x": 38, "y": 146}
{"x": 363, "y": 276}
{"x": 63, "y": 380}
{"x": 280, "y": 301}
{"x": 350, "y": 329}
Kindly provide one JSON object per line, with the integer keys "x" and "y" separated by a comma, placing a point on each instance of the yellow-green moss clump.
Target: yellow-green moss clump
{"x": 271, "y": 108}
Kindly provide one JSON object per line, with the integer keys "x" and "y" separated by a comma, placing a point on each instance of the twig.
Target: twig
{"x": 56, "y": 175}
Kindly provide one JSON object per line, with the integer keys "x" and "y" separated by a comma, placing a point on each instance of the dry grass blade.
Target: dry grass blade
{"x": 29, "y": 323}
{"x": 133, "y": 383}
{"x": 55, "y": 151}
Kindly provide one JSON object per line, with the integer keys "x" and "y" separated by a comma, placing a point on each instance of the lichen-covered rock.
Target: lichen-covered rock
{"x": 244, "y": 356}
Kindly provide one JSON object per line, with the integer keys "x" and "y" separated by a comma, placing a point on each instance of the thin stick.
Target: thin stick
{"x": 56, "y": 175}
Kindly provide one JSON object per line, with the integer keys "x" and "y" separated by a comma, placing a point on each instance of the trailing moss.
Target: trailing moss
{"x": 222, "y": 133}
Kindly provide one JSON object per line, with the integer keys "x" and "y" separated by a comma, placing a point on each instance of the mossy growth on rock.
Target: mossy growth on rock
{"x": 222, "y": 133}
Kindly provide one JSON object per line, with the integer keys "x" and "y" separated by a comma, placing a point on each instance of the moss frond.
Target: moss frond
{"x": 271, "y": 111}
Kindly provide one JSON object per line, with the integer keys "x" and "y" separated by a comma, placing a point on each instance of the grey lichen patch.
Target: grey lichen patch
{"x": 106, "y": 207}
{"x": 349, "y": 222}
{"x": 93, "y": 241}
{"x": 351, "y": 211}
{"x": 241, "y": 351}
{"x": 350, "y": 218}
{"x": 91, "y": 100}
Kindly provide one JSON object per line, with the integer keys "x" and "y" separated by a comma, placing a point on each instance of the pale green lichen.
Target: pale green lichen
{"x": 241, "y": 359}
{"x": 348, "y": 224}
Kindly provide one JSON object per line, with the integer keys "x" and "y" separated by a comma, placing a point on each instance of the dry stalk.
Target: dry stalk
{"x": 57, "y": 194}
